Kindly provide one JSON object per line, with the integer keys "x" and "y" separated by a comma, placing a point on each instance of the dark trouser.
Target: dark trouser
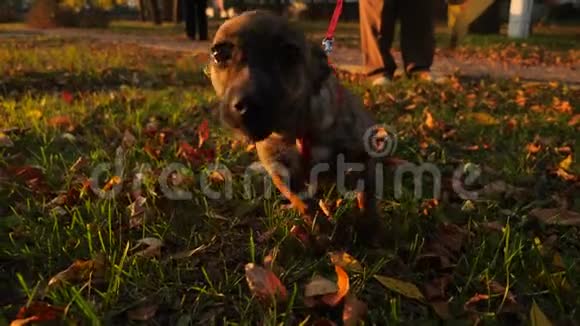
{"x": 377, "y": 28}
{"x": 195, "y": 18}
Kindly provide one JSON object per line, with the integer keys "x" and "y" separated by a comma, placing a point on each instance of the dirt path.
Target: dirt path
{"x": 344, "y": 57}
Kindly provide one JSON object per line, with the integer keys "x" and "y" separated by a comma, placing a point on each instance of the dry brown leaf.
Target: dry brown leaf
{"x": 325, "y": 209}
{"x": 319, "y": 285}
{"x": 496, "y": 288}
{"x": 37, "y": 311}
{"x": 556, "y": 216}
{"x": 80, "y": 271}
{"x": 143, "y": 313}
{"x": 301, "y": 234}
{"x": 152, "y": 249}
{"x": 137, "y": 209}
{"x": 437, "y": 288}
{"x": 264, "y": 284}
{"x": 343, "y": 287}
{"x": 346, "y": 261}
{"x": 565, "y": 175}
{"x": 406, "y": 289}
{"x": 441, "y": 308}
{"x": 354, "y": 311}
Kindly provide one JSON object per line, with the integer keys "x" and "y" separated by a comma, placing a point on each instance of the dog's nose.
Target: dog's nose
{"x": 241, "y": 105}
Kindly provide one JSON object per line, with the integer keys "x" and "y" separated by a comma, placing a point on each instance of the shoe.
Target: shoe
{"x": 381, "y": 81}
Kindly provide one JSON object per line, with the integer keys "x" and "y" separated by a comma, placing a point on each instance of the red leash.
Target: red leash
{"x": 329, "y": 39}
{"x": 304, "y": 143}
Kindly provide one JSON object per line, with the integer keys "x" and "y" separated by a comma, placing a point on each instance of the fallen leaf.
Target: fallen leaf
{"x": 325, "y": 209}
{"x": 5, "y": 141}
{"x": 192, "y": 252}
{"x": 533, "y": 148}
{"x": 80, "y": 271}
{"x": 343, "y": 286}
{"x": 301, "y": 234}
{"x": 346, "y": 261}
{"x": 143, "y": 313}
{"x": 216, "y": 177}
{"x": 60, "y": 121}
{"x": 482, "y": 118}
{"x": 565, "y": 175}
{"x": 37, "y": 311}
{"x": 202, "y": 133}
{"x": 354, "y": 311}
{"x": 566, "y": 163}
{"x": 137, "y": 209}
{"x": 574, "y": 121}
{"x": 24, "y": 321}
{"x": 470, "y": 304}
{"x": 441, "y": 308}
{"x": 153, "y": 248}
{"x": 406, "y": 289}
{"x": 537, "y": 316}
{"x": 319, "y": 285}
{"x": 556, "y": 216}
{"x": 496, "y": 288}
{"x": 67, "y": 97}
{"x": 114, "y": 181}
{"x": 264, "y": 284}
{"x": 429, "y": 121}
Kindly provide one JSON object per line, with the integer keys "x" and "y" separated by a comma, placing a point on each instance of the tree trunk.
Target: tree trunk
{"x": 167, "y": 10}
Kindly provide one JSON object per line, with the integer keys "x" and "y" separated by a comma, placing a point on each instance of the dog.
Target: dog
{"x": 279, "y": 91}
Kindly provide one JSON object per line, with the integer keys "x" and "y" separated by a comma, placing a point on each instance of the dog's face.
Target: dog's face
{"x": 263, "y": 70}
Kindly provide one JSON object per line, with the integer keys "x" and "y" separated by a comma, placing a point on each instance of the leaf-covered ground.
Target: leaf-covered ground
{"x": 68, "y": 250}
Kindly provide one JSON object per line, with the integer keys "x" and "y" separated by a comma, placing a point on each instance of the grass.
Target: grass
{"x": 65, "y": 100}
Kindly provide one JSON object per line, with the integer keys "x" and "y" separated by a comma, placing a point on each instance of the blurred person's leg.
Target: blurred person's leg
{"x": 377, "y": 27}
{"x": 201, "y": 5}
{"x": 189, "y": 18}
{"x": 417, "y": 35}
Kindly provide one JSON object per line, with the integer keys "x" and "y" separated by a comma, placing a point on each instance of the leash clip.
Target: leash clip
{"x": 327, "y": 44}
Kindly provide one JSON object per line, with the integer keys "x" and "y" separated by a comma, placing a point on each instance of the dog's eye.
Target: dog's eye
{"x": 221, "y": 53}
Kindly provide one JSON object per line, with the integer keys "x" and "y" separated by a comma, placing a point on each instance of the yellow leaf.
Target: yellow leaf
{"x": 537, "y": 316}
{"x": 429, "y": 120}
{"x": 34, "y": 114}
{"x": 407, "y": 289}
{"x": 566, "y": 163}
{"x": 482, "y": 118}
{"x": 345, "y": 261}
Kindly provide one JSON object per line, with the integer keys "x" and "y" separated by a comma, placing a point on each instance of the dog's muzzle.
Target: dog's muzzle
{"x": 245, "y": 112}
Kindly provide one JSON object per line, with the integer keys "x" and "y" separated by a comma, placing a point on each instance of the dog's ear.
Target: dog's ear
{"x": 320, "y": 67}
